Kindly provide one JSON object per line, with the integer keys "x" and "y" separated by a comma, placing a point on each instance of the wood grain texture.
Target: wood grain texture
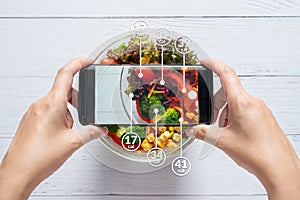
{"x": 83, "y": 175}
{"x": 253, "y": 46}
{"x": 94, "y": 8}
{"x": 114, "y": 197}
{"x": 260, "y": 38}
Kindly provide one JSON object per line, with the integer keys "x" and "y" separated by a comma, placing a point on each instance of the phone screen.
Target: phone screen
{"x": 151, "y": 94}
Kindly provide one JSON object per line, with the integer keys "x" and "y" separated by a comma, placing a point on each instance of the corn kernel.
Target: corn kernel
{"x": 160, "y": 144}
{"x": 162, "y": 129}
{"x": 146, "y": 145}
{"x": 150, "y": 137}
{"x": 169, "y": 141}
{"x": 177, "y": 129}
{"x": 171, "y": 134}
{"x": 145, "y": 142}
{"x": 171, "y": 128}
{"x": 172, "y": 145}
{"x": 162, "y": 140}
{"x": 176, "y": 137}
{"x": 167, "y": 134}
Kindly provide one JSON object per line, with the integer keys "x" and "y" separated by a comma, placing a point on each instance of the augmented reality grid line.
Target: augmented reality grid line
{"x": 156, "y": 156}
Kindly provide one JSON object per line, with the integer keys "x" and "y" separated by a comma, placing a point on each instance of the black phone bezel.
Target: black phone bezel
{"x": 86, "y": 96}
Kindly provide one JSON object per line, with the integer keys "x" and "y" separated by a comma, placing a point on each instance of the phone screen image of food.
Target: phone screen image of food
{"x": 170, "y": 99}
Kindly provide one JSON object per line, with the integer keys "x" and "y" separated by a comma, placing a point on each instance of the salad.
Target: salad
{"x": 148, "y": 93}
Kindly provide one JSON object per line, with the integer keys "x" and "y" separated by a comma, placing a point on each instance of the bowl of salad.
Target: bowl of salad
{"x": 147, "y": 93}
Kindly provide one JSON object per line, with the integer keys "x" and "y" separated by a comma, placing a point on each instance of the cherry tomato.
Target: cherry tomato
{"x": 148, "y": 74}
{"x": 108, "y": 61}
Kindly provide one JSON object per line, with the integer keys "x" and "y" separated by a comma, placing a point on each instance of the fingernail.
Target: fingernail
{"x": 190, "y": 132}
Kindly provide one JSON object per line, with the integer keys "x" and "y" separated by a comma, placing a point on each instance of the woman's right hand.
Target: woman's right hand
{"x": 251, "y": 136}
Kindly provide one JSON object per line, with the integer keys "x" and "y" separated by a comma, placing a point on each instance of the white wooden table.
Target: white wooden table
{"x": 259, "y": 38}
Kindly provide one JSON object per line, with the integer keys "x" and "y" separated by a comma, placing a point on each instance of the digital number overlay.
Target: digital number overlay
{"x": 131, "y": 141}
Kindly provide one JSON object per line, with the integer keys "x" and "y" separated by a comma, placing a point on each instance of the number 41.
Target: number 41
{"x": 181, "y": 164}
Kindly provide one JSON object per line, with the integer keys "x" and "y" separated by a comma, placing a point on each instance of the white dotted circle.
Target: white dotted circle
{"x": 140, "y": 28}
{"x": 140, "y": 75}
{"x": 181, "y": 166}
{"x": 162, "y": 36}
{"x": 180, "y": 119}
{"x": 131, "y": 95}
{"x": 192, "y": 94}
{"x": 156, "y": 157}
{"x": 183, "y": 44}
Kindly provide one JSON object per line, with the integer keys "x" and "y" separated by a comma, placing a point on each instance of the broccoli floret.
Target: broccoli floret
{"x": 139, "y": 130}
{"x": 145, "y": 104}
{"x": 120, "y": 131}
{"x": 170, "y": 116}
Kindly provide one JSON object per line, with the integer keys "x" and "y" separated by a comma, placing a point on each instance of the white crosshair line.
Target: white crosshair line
{"x": 183, "y": 74}
{"x": 181, "y": 132}
{"x": 140, "y": 75}
{"x": 131, "y": 95}
{"x": 156, "y": 112}
{"x": 162, "y": 82}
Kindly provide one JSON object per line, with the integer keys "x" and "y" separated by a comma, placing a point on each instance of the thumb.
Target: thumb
{"x": 89, "y": 133}
{"x": 207, "y": 133}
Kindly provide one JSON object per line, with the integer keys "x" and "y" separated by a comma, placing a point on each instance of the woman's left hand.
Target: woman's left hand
{"x": 45, "y": 138}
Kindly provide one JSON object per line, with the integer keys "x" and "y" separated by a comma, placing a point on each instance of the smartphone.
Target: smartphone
{"x": 145, "y": 95}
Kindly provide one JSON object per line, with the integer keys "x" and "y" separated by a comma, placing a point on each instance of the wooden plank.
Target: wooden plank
{"x": 116, "y": 197}
{"x": 94, "y": 8}
{"x": 280, "y": 93}
{"x": 254, "y": 46}
{"x": 83, "y": 175}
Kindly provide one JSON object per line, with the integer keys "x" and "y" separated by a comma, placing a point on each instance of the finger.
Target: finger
{"x": 64, "y": 78}
{"x": 69, "y": 119}
{"x": 89, "y": 133}
{"x": 223, "y": 120}
{"x": 73, "y": 98}
{"x": 207, "y": 133}
{"x": 228, "y": 76}
{"x": 219, "y": 102}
